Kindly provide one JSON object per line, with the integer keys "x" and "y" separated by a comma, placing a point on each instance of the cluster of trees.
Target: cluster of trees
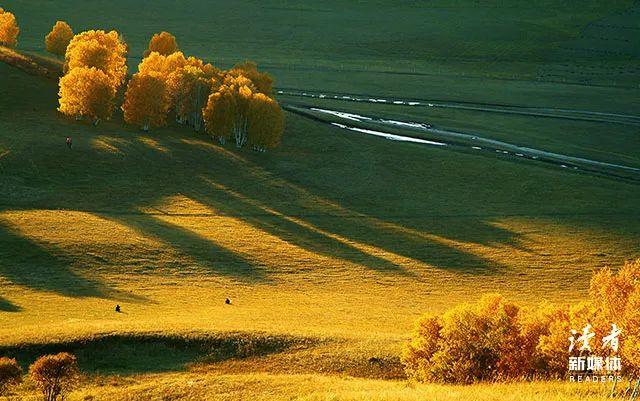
{"x": 53, "y": 375}
{"x": 496, "y": 340}
{"x": 236, "y": 104}
{"x": 9, "y": 29}
{"x": 233, "y": 105}
{"x": 95, "y": 68}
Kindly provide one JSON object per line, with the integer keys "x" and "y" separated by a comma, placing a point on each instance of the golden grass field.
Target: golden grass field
{"x": 278, "y": 387}
{"x": 330, "y": 247}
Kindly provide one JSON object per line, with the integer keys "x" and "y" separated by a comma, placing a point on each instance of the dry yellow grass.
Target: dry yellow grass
{"x": 305, "y": 244}
{"x": 289, "y": 289}
{"x": 268, "y": 387}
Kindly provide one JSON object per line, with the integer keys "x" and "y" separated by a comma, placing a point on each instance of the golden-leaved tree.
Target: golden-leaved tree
{"x": 261, "y": 80}
{"x": 189, "y": 83}
{"x": 266, "y": 123}
{"x": 146, "y": 101}
{"x": 87, "y": 92}
{"x": 9, "y": 29}
{"x": 58, "y": 39}
{"x": 190, "y": 87}
{"x": 226, "y": 115}
{"x": 494, "y": 340}
{"x": 163, "y": 43}
{"x": 237, "y": 110}
{"x": 99, "y": 49}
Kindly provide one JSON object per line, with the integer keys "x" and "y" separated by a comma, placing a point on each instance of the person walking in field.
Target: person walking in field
{"x": 69, "y": 142}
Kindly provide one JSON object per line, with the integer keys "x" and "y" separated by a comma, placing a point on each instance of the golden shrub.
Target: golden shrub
{"x": 163, "y": 43}
{"x": 10, "y": 373}
{"x": 146, "y": 101}
{"x": 493, "y": 339}
{"x": 54, "y": 374}
{"x": 474, "y": 342}
{"x": 58, "y": 39}
{"x": 86, "y": 92}
{"x": 9, "y": 29}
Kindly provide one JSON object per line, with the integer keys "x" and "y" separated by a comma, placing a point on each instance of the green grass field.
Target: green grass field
{"x": 333, "y": 244}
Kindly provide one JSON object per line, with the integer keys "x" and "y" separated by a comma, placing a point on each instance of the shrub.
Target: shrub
{"x": 470, "y": 342}
{"x": 493, "y": 339}
{"x": 10, "y": 373}
{"x": 163, "y": 43}
{"x": 9, "y": 29}
{"x": 54, "y": 374}
{"x": 58, "y": 39}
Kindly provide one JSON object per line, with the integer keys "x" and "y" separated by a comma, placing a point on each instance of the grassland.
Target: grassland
{"x": 334, "y": 243}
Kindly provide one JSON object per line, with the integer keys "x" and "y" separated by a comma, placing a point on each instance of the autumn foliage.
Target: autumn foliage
{"x": 261, "y": 80}
{"x": 10, "y": 374}
{"x": 54, "y": 374}
{"x": 87, "y": 92}
{"x": 146, "y": 100}
{"x": 236, "y": 105}
{"x": 496, "y": 340}
{"x": 58, "y": 39}
{"x": 163, "y": 43}
{"x": 95, "y": 67}
{"x": 102, "y": 50}
{"x": 238, "y": 111}
{"x": 9, "y": 29}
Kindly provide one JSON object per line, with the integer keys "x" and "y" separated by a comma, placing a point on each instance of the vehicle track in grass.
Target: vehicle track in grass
{"x": 543, "y": 112}
{"x": 425, "y": 134}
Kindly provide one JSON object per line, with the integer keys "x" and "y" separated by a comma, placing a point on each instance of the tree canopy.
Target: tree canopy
{"x": 99, "y": 49}
{"x": 238, "y": 111}
{"x": 58, "y": 39}
{"x": 9, "y": 29}
{"x": 146, "y": 101}
{"x": 163, "y": 43}
{"x": 262, "y": 80}
{"x": 87, "y": 92}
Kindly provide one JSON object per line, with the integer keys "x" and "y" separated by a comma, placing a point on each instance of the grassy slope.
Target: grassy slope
{"x": 308, "y": 239}
{"x": 333, "y": 235}
{"x": 270, "y": 387}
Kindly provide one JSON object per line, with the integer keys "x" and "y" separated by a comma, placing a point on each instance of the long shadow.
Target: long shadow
{"x": 152, "y": 353}
{"x": 423, "y": 241}
{"x": 6, "y": 306}
{"x": 27, "y": 263}
{"x": 357, "y": 229}
{"x": 293, "y": 232}
{"x": 204, "y": 252}
{"x": 251, "y": 202}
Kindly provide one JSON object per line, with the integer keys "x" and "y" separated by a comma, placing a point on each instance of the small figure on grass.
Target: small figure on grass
{"x": 69, "y": 142}
{"x": 227, "y": 301}
{"x": 117, "y": 308}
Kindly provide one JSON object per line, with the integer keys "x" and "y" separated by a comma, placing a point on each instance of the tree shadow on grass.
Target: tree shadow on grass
{"x": 28, "y": 263}
{"x": 6, "y": 306}
{"x": 293, "y": 230}
{"x": 307, "y": 221}
{"x": 153, "y": 353}
{"x": 203, "y": 251}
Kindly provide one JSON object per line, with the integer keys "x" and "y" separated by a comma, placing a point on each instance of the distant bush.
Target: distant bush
{"x": 9, "y": 29}
{"x": 58, "y": 39}
{"x": 54, "y": 374}
{"x": 490, "y": 340}
{"x": 163, "y": 43}
{"x": 496, "y": 340}
{"x": 10, "y": 373}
